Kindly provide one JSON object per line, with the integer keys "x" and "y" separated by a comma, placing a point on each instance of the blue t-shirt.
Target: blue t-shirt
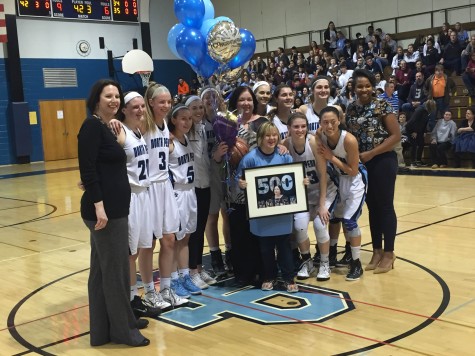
{"x": 272, "y": 225}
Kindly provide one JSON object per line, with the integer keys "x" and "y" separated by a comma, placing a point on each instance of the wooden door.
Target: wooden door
{"x": 60, "y": 123}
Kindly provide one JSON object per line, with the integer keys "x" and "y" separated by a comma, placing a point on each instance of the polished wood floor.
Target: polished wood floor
{"x": 425, "y": 306}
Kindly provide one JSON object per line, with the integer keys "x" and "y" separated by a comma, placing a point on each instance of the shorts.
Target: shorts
{"x": 352, "y": 194}
{"x": 140, "y": 222}
{"x": 165, "y": 216}
{"x": 188, "y": 208}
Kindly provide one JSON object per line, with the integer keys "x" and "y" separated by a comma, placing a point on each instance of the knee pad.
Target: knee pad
{"x": 301, "y": 229}
{"x": 351, "y": 227}
{"x": 321, "y": 231}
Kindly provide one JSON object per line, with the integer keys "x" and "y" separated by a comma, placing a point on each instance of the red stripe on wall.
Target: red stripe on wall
{"x": 3, "y": 23}
{"x": 3, "y": 38}
{"x": 1, "y": 8}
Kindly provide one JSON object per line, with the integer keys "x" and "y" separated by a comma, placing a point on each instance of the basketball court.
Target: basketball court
{"x": 425, "y": 306}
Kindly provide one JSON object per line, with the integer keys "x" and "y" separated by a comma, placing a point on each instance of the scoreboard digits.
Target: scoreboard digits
{"x": 103, "y": 10}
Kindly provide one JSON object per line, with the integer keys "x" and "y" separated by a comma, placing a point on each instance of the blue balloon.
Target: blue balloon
{"x": 191, "y": 46}
{"x": 208, "y": 67}
{"x": 248, "y": 47}
{"x": 209, "y": 10}
{"x": 223, "y": 18}
{"x": 190, "y": 12}
{"x": 206, "y": 26}
{"x": 172, "y": 35}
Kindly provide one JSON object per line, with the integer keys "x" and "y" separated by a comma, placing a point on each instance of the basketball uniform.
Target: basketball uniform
{"x": 165, "y": 216}
{"x": 351, "y": 190}
{"x": 216, "y": 185}
{"x": 281, "y": 126}
{"x": 182, "y": 176}
{"x": 313, "y": 119}
{"x": 140, "y": 222}
{"x": 313, "y": 189}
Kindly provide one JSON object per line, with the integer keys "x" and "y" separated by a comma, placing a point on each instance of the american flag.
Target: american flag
{"x": 3, "y": 26}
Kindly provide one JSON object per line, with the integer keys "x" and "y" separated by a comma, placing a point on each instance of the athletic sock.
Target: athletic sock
{"x": 148, "y": 287}
{"x": 184, "y": 272}
{"x": 355, "y": 252}
{"x": 324, "y": 257}
{"x": 175, "y": 275}
{"x": 214, "y": 248}
{"x": 133, "y": 292}
{"x": 165, "y": 283}
{"x": 306, "y": 255}
{"x": 333, "y": 242}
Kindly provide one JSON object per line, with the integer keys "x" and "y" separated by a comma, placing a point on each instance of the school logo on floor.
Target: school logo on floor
{"x": 218, "y": 303}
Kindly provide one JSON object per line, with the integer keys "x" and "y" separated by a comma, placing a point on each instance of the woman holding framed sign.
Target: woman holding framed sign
{"x": 271, "y": 231}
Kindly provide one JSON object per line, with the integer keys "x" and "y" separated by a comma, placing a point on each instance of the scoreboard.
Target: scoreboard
{"x": 101, "y": 10}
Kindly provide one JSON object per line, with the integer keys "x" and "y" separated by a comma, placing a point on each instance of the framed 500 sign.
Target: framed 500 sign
{"x": 276, "y": 190}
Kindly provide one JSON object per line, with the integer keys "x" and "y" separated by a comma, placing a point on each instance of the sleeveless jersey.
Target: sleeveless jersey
{"x": 137, "y": 159}
{"x": 339, "y": 152}
{"x": 182, "y": 163}
{"x": 282, "y": 127}
{"x": 309, "y": 161}
{"x": 158, "y": 150}
{"x": 313, "y": 119}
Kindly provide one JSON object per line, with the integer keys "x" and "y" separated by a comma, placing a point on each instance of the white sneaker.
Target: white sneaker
{"x": 155, "y": 300}
{"x": 306, "y": 270}
{"x": 324, "y": 272}
{"x": 169, "y": 296}
{"x": 196, "y": 279}
{"x": 207, "y": 278}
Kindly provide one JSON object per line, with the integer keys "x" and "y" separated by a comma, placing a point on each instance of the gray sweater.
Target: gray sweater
{"x": 444, "y": 131}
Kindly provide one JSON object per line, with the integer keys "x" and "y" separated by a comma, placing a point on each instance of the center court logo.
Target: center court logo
{"x": 218, "y": 303}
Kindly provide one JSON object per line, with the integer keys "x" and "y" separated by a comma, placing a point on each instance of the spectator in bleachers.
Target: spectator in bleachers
{"x": 379, "y": 32}
{"x": 399, "y": 56}
{"x": 442, "y": 137}
{"x": 377, "y": 42}
{"x": 468, "y": 76}
{"x": 382, "y": 58}
{"x": 271, "y": 68}
{"x": 261, "y": 65}
{"x": 403, "y": 73}
{"x": 314, "y": 47}
{"x": 431, "y": 57}
{"x": 329, "y": 37}
{"x": 278, "y": 76}
{"x": 347, "y": 54}
{"x": 252, "y": 66}
{"x": 345, "y": 75}
{"x": 435, "y": 44}
{"x": 311, "y": 54}
{"x": 439, "y": 87}
{"x": 451, "y": 56}
{"x": 415, "y": 129}
{"x": 391, "y": 43}
{"x": 346, "y": 95}
{"x": 391, "y": 96}
{"x": 416, "y": 96}
{"x": 465, "y": 140}
{"x": 252, "y": 79}
{"x": 444, "y": 35}
{"x": 462, "y": 35}
{"x": 340, "y": 45}
{"x": 183, "y": 87}
{"x": 465, "y": 57}
{"x": 244, "y": 80}
{"x": 380, "y": 83}
{"x": 293, "y": 54}
{"x": 411, "y": 56}
{"x": 282, "y": 57}
{"x": 419, "y": 68}
{"x": 371, "y": 50}
{"x": 419, "y": 43}
{"x": 371, "y": 65}
{"x": 359, "y": 40}
{"x": 370, "y": 34}
{"x": 360, "y": 63}
{"x": 359, "y": 53}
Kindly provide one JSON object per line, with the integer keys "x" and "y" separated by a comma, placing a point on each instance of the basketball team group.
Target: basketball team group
{"x": 156, "y": 174}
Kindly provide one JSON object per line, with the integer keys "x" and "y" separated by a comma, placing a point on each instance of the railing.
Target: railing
{"x": 395, "y": 25}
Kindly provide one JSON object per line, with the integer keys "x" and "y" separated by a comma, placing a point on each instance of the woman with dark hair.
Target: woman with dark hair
{"x": 104, "y": 210}
{"x": 329, "y": 37}
{"x": 284, "y": 101}
{"x": 373, "y": 122}
{"x": 444, "y": 35}
{"x": 245, "y": 255}
{"x": 465, "y": 140}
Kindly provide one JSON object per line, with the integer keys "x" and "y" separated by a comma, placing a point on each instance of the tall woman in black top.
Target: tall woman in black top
{"x": 104, "y": 209}
{"x": 374, "y": 124}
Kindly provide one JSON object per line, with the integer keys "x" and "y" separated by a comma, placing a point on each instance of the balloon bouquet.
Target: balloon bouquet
{"x": 212, "y": 46}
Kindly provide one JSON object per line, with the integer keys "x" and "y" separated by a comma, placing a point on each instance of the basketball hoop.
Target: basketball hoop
{"x": 145, "y": 77}
{"x": 138, "y": 62}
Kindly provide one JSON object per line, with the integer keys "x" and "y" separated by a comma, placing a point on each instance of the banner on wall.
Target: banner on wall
{"x": 3, "y": 26}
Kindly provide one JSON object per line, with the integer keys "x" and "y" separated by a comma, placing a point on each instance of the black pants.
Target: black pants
{"x": 197, "y": 239}
{"x": 245, "y": 254}
{"x": 417, "y": 147}
{"x": 268, "y": 245}
{"x": 382, "y": 170}
{"x": 438, "y": 152}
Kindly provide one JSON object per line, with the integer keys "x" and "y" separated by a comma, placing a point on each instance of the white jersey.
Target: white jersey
{"x": 313, "y": 119}
{"x": 137, "y": 159}
{"x": 352, "y": 190}
{"x": 308, "y": 159}
{"x": 281, "y": 126}
{"x": 182, "y": 163}
{"x": 158, "y": 143}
